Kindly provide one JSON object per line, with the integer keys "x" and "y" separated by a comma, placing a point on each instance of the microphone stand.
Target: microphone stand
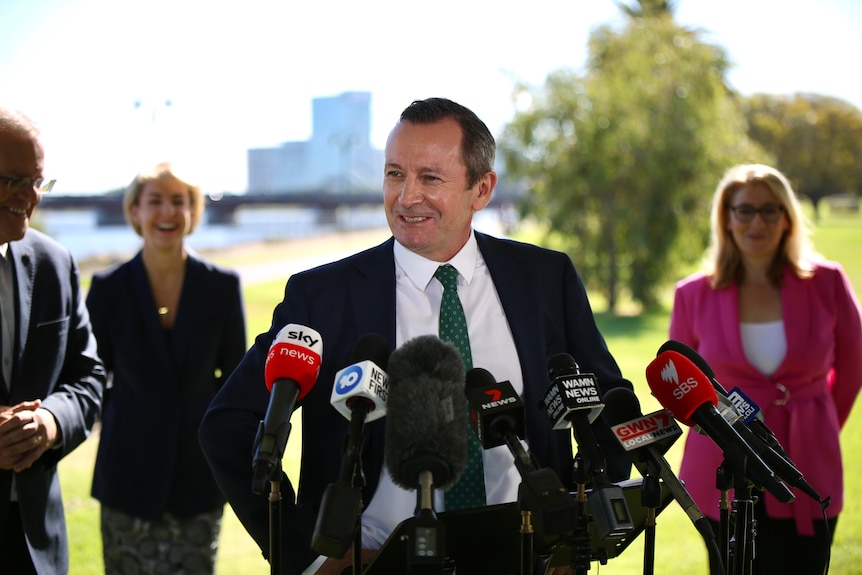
{"x": 582, "y": 544}
{"x": 739, "y": 547}
{"x": 526, "y": 543}
{"x": 650, "y": 500}
{"x": 275, "y": 522}
{"x": 339, "y": 518}
{"x": 744, "y": 532}
{"x": 724, "y": 483}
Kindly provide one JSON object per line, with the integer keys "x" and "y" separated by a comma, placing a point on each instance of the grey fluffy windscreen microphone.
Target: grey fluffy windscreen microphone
{"x": 426, "y": 421}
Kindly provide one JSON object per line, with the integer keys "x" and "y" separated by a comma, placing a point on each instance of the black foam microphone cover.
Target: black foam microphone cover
{"x": 426, "y": 422}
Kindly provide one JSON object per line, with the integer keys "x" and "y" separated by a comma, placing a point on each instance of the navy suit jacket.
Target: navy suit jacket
{"x": 54, "y": 360}
{"x": 149, "y": 459}
{"x": 548, "y": 313}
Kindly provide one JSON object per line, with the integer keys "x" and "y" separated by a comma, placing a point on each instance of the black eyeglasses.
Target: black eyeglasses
{"x": 41, "y": 185}
{"x": 745, "y": 213}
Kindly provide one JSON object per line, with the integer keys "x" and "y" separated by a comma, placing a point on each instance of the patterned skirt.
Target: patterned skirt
{"x": 167, "y": 546}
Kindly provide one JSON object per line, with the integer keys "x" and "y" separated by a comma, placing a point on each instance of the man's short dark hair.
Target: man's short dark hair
{"x": 478, "y": 147}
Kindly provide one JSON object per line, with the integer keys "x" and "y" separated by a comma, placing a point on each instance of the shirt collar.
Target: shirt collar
{"x": 420, "y": 269}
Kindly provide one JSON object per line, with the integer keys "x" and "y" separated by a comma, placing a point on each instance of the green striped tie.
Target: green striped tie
{"x": 470, "y": 490}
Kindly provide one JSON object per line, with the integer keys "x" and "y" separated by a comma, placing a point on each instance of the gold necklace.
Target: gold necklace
{"x": 163, "y": 310}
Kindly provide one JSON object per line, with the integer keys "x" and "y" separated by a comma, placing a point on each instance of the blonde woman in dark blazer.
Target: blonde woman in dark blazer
{"x": 170, "y": 328}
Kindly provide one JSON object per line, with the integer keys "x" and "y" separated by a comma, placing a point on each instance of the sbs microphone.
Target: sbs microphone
{"x": 573, "y": 400}
{"x": 685, "y": 390}
{"x": 747, "y": 419}
{"x": 292, "y": 367}
{"x": 359, "y": 394}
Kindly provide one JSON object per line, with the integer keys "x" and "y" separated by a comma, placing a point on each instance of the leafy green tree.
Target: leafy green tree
{"x": 817, "y": 141}
{"x": 621, "y": 162}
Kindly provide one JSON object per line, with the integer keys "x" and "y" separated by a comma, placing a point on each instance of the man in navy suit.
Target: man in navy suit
{"x": 523, "y": 305}
{"x": 52, "y": 380}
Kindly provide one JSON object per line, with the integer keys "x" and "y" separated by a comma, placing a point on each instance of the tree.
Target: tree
{"x": 817, "y": 141}
{"x": 622, "y": 161}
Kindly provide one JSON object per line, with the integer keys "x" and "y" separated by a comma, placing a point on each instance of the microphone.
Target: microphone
{"x": 573, "y": 400}
{"x": 747, "y": 419}
{"x": 292, "y": 367}
{"x": 645, "y": 439}
{"x": 686, "y": 392}
{"x": 364, "y": 385}
{"x": 426, "y": 436}
{"x": 497, "y": 415}
{"x": 359, "y": 394}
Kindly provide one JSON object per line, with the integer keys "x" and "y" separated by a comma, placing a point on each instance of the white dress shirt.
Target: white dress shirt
{"x": 417, "y": 307}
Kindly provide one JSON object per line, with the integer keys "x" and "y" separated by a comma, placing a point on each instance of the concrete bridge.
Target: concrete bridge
{"x": 108, "y": 206}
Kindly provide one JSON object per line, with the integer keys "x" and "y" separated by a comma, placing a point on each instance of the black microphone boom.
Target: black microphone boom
{"x": 621, "y": 406}
{"x": 750, "y": 427}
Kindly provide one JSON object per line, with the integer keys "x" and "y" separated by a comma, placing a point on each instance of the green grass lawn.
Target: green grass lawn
{"x": 633, "y": 340}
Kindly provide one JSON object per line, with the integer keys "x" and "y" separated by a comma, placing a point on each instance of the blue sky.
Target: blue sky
{"x": 242, "y": 74}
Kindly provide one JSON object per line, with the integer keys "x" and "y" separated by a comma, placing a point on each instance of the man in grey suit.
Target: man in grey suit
{"x": 52, "y": 380}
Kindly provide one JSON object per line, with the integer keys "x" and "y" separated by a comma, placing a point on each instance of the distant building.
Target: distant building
{"x": 337, "y": 159}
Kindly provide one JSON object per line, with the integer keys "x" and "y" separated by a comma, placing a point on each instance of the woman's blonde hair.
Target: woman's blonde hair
{"x": 161, "y": 172}
{"x": 724, "y": 262}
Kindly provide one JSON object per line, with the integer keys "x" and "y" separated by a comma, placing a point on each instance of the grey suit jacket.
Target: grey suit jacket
{"x": 54, "y": 360}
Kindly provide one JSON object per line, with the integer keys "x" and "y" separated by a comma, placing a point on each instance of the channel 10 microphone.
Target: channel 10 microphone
{"x": 359, "y": 394}
{"x": 573, "y": 400}
{"x": 364, "y": 384}
{"x": 292, "y": 367}
{"x": 746, "y": 418}
{"x": 685, "y": 390}
{"x": 426, "y": 437}
{"x": 497, "y": 415}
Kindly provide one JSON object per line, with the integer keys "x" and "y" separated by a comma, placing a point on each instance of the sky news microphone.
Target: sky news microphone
{"x": 747, "y": 419}
{"x": 359, "y": 394}
{"x": 426, "y": 437}
{"x": 686, "y": 391}
{"x": 292, "y": 367}
{"x": 573, "y": 400}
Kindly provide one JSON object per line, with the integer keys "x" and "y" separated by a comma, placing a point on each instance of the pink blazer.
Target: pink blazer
{"x": 822, "y": 374}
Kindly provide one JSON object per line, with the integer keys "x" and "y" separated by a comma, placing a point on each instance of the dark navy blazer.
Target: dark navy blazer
{"x": 149, "y": 460}
{"x": 54, "y": 360}
{"x": 548, "y": 312}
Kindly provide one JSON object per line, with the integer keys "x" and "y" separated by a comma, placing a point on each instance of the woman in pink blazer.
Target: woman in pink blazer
{"x": 783, "y": 325}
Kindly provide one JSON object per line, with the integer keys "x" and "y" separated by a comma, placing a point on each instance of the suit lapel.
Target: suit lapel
{"x": 24, "y": 270}
{"x": 374, "y": 281}
{"x": 188, "y": 309}
{"x": 146, "y": 307}
{"x": 797, "y": 318}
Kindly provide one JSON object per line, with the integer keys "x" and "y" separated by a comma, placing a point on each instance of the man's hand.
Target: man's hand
{"x": 337, "y": 566}
{"x": 26, "y": 432}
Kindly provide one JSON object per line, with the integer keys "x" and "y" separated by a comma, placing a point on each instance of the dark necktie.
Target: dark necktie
{"x": 470, "y": 490}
